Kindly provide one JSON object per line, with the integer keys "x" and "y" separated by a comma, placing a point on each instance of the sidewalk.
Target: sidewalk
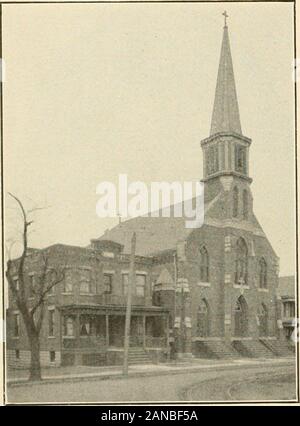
{"x": 59, "y": 374}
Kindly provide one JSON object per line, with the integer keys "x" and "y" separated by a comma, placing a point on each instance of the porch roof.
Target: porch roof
{"x": 112, "y": 309}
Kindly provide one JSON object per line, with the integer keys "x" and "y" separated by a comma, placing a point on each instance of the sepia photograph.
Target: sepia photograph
{"x": 149, "y": 204}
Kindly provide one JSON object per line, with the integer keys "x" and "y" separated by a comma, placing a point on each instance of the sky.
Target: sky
{"x": 95, "y": 90}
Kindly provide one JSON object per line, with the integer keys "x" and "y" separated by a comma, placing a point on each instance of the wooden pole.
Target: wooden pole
{"x": 128, "y": 307}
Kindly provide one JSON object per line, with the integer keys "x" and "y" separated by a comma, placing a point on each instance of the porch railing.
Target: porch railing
{"x": 156, "y": 342}
{"x": 118, "y": 341}
{"x": 92, "y": 342}
{"x": 150, "y": 341}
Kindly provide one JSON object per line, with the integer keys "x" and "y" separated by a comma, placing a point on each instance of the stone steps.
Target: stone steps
{"x": 216, "y": 349}
{"x": 138, "y": 356}
{"x": 221, "y": 350}
{"x": 252, "y": 349}
{"x": 278, "y": 347}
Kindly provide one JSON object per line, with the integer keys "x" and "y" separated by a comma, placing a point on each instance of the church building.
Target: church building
{"x": 204, "y": 292}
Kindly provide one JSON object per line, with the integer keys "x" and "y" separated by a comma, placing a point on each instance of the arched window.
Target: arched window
{"x": 262, "y": 273}
{"x": 241, "y": 263}
{"x": 204, "y": 265}
{"x": 235, "y": 201}
{"x": 245, "y": 204}
{"x": 203, "y": 319}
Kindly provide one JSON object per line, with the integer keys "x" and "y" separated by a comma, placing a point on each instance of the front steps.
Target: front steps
{"x": 138, "y": 356}
{"x": 278, "y": 347}
{"x": 218, "y": 349}
{"x": 252, "y": 349}
{"x": 248, "y": 348}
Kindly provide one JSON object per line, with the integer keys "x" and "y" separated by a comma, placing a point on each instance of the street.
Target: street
{"x": 267, "y": 382}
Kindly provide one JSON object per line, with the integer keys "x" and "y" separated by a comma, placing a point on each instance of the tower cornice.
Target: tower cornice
{"x": 226, "y": 134}
{"x": 226, "y": 173}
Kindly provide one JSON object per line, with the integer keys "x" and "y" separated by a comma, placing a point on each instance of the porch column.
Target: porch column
{"x": 167, "y": 329}
{"x": 144, "y": 331}
{"x": 187, "y": 320}
{"x": 78, "y": 359}
{"x": 107, "y": 329}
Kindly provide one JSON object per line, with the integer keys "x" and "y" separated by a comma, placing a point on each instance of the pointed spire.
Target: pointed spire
{"x": 225, "y": 117}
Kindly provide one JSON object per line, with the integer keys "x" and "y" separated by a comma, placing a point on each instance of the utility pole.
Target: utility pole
{"x": 128, "y": 307}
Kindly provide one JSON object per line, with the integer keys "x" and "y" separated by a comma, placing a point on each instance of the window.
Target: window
{"x": 52, "y": 356}
{"x": 31, "y": 289}
{"x": 51, "y": 317}
{"x": 241, "y": 263}
{"x": 240, "y": 159}
{"x": 235, "y": 202}
{"x": 85, "y": 325}
{"x": 17, "y": 353}
{"x": 108, "y": 283}
{"x": 16, "y": 325}
{"x": 245, "y": 204}
{"x": 68, "y": 284}
{"x": 68, "y": 327}
{"x": 262, "y": 273}
{"x": 84, "y": 287}
{"x": 85, "y": 281}
{"x": 289, "y": 309}
{"x": 213, "y": 159}
{"x": 204, "y": 265}
{"x": 51, "y": 280}
{"x": 125, "y": 280}
{"x": 16, "y": 283}
{"x": 140, "y": 285}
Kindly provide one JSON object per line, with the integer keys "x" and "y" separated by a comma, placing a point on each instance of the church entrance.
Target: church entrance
{"x": 263, "y": 320}
{"x": 241, "y": 318}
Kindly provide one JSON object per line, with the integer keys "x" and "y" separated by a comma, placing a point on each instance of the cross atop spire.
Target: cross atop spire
{"x": 225, "y": 18}
{"x": 225, "y": 117}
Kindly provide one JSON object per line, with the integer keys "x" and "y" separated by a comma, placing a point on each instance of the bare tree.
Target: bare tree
{"x": 32, "y": 313}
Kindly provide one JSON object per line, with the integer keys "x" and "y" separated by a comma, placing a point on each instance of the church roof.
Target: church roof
{"x": 159, "y": 234}
{"x": 225, "y": 117}
{"x": 153, "y": 234}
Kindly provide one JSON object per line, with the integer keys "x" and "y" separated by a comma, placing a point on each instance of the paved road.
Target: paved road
{"x": 228, "y": 384}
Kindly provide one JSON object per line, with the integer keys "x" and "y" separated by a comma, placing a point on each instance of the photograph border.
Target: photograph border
{"x": 146, "y": 403}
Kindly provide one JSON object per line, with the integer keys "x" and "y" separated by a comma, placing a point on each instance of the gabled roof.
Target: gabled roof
{"x": 159, "y": 234}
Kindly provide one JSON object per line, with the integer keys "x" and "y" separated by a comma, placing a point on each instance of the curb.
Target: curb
{"x": 116, "y": 376}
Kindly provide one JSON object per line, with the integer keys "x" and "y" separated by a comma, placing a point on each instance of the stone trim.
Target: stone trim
{"x": 203, "y": 284}
{"x": 241, "y": 287}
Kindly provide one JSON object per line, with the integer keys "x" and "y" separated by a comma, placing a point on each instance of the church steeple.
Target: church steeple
{"x": 226, "y": 150}
{"x": 225, "y": 117}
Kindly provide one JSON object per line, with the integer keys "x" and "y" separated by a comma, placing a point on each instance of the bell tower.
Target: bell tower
{"x": 226, "y": 150}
